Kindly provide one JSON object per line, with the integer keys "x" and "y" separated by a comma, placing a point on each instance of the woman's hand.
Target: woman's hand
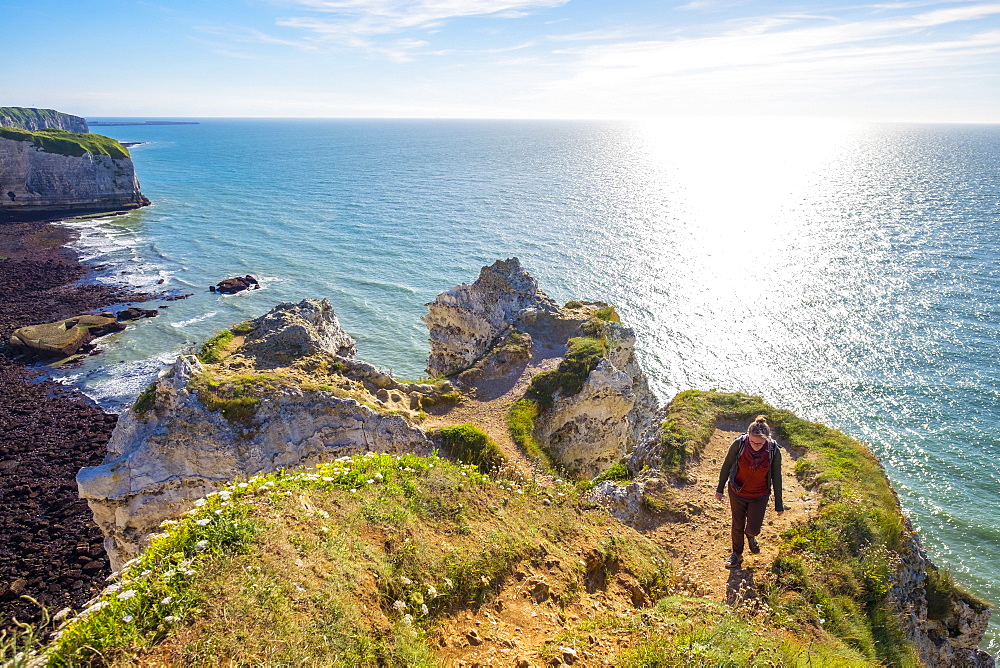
{"x": 718, "y": 497}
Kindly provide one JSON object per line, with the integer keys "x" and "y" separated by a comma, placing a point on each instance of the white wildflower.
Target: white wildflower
{"x": 201, "y": 545}
{"x": 379, "y": 477}
{"x": 370, "y": 481}
{"x": 199, "y": 503}
{"x": 170, "y": 619}
{"x": 399, "y": 606}
{"x": 127, "y": 618}
{"x": 100, "y": 605}
{"x": 111, "y": 589}
{"x": 406, "y": 581}
{"x": 432, "y": 591}
{"x": 423, "y": 608}
{"x": 189, "y": 572}
{"x": 219, "y": 511}
{"x": 167, "y": 600}
{"x": 225, "y": 495}
{"x": 167, "y": 523}
{"x": 408, "y": 620}
{"x": 211, "y": 494}
{"x": 327, "y": 478}
{"x": 354, "y": 491}
{"x": 243, "y": 485}
{"x": 203, "y": 522}
{"x": 126, "y": 595}
{"x": 448, "y": 583}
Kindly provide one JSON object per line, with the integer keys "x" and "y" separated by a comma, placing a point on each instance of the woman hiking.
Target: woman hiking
{"x": 752, "y": 468}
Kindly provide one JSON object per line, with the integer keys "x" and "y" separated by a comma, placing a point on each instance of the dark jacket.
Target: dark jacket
{"x": 729, "y": 467}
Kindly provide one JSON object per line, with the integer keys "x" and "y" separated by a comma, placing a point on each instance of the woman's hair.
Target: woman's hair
{"x": 759, "y": 427}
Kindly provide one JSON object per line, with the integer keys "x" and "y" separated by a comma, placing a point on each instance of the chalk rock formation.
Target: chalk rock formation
{"x": 37, "y": 183}
{"x": 177, "y": 449}
{"x": 289, "y": 331}
{"x": 486, "y": 329}
{"x": 953, "y": 638}
{"x": 589, "y": 431}
{"x": 29, "y": 118}
{"x": 466, "y": 321}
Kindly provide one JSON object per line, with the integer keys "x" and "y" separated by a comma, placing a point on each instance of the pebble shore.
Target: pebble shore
{"x": 52, "y": 551}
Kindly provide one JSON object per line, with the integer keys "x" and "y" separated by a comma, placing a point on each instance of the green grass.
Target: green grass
{"x": 833, "y": 570}
{"x": 242, "y": 329}
{"x": 236, "y": 398}
{"x": 521, "y": 422}
{"x": 68, "y": 143}
{"x": 582, "y": 355}
{"x": 709, "y": 635}
{"x": 347, "y": 563}
{"x": 25, "y": 116}
{"x": 212, "y": 350}
{"x": 146, "y": 400}
{"x": 467, "y": 443}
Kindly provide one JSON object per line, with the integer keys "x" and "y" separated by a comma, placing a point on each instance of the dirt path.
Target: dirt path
{"x": 493, "y": 398}
{"x": 701, "y": 545}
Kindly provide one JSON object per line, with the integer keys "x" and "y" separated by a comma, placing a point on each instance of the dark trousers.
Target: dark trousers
{"x": 748, "y": 516}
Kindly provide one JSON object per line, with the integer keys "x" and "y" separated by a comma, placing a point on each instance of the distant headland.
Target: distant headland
{"x": 111, "y": 123}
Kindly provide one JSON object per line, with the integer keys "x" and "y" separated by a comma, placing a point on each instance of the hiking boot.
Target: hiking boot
{"x": 734, "y": 560}
{"x": 754, "y": 545}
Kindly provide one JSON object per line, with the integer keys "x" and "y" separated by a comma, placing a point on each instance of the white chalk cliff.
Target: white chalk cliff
{"x": 161, "y": 459}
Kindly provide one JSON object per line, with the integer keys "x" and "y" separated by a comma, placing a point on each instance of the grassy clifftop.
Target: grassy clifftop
{"x": 835, "y": 571}
{"x": 68, "y": 143}
{"x": 418, "y": 561}
{"x": 30, "y": 118}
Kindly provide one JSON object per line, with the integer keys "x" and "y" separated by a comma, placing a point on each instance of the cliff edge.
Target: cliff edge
{"x": 51, "y": 173}
{"x": 471, "y": 561}
{"x": 30, "y": 118}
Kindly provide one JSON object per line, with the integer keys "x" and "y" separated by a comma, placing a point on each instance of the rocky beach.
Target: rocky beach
{"x": 52, "y": 550}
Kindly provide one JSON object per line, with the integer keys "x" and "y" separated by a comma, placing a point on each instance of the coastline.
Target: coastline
{"x": 53, "y": 551}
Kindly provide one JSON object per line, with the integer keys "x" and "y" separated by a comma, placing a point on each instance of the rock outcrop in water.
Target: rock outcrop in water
{"x": 468, "y": 320}
{"x": 290, "y": 395}
{"x": 29, "y": 118}
{"x": 52, "y": 173}
{"x": 484, "y": 329}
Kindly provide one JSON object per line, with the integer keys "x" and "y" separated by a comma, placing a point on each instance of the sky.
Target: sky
{"x": 920, "y": 60}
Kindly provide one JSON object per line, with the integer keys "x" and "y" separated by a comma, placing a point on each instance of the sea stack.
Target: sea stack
{"x": 51, "y": 167}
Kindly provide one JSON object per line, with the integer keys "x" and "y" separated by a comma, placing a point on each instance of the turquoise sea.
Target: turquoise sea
{"x": 848, "y": 272}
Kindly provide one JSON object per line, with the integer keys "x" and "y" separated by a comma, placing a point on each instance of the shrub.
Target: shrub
{"x": 211, "y": 351}
{"x": 146, "y": 400}
{"x": 582, "y": 356}
{"x": 470, "y": 444}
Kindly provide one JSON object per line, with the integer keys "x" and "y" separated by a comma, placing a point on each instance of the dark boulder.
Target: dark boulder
{"x": 134, "y": 313}
{"x": 233, "y": 285}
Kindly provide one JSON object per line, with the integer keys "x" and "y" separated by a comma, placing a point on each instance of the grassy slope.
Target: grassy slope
{"x": 314, "y": 565}
{"x": 834, "y": 571}
{"x": 363, "y": 561}
{"x": 26, "y": 115}
{"x": 68, "y": 143}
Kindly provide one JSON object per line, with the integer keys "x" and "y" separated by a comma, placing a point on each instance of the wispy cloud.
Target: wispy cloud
{"x": 790, "y": 57}
{"x": 342, "y": 19}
